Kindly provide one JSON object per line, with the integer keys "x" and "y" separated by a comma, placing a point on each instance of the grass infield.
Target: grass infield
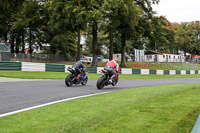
{"x": 166, "y": 109}
{"x": 62, "y": 75}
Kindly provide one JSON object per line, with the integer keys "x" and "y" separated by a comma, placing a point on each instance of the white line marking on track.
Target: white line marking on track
{"x": 46, "y": 104}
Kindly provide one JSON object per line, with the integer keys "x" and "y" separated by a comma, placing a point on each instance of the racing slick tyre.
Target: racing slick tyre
{"x": 115, "y": 82}
{"x": 68, "y": 80}
{"x": 84, "y": 82}
{"x": 101, "y": 83}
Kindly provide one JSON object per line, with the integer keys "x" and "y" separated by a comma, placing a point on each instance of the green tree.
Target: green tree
{"x": 77, "y": 15}
{"x": 128, "y": 16}
{"x": 162, "y": 35}
{"x": 8, "y": 11}
{"x": 196, "y": 39}
{"x": 61, "y": 35}
{"x": 94, "y": 15}
{"x": 5, "y": 19}
{"x": 29, "y": 23}
{"x": 111, "y": 22}
{"x": 185, "y": 37}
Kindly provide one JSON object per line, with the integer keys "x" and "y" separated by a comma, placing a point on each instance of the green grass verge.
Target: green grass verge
{"x": 166, "y": 109}
{"x": 163, "y": 66}
{"x": 62, "y": 75}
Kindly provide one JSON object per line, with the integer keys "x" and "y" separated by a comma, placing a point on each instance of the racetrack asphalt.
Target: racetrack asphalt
{"x": 25, "y": 93}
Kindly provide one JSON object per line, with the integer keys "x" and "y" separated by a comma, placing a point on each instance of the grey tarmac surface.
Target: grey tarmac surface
{"x": 20, "y": 94}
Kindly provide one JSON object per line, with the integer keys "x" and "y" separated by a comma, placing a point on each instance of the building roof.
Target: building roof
{"x": 169, "y": 54}
{"x": 195, "y": 55}
{"x": 150, "y": 52}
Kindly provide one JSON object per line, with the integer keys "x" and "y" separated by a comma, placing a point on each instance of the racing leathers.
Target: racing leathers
{"x": 112, "y": 67}
{"x": 80, "y": 68}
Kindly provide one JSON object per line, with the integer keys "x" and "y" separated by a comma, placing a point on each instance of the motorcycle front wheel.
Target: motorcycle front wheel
{"x": 115, "y": 82}
{"x": 69, "y": 80}
{"x": 84, "y": 82}
{"x": 101, "y": 83}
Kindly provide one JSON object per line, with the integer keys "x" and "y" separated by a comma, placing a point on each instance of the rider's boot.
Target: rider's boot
{"x": 110, "y": 80}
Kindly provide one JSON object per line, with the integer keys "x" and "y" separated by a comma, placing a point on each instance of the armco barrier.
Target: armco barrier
{"x": 166, "y": 72}
{"x": 7, "y": 65}
{"x": 178, "y": 72}
{"x": 126, "y": 71}
{"x": 196, "y": 71}
{"x": 145, "y": 71}
{"x": 152, "y": 71}
{"x": 192, "y": 71}
{"x": 54, "y": 68}
{"x": 183, "y": 72}
{"x": 92, "y": 69}
{"x": 136, "y": 71}
{"x": 29, "y": 66}
{"x": 187, "y": 71}
{"x": 172, "y": 72}
{"x": 160, "y": 72}
{"x": 26, "y": 66}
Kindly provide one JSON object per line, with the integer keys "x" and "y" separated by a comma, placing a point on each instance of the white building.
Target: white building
{"x": 118, "y": 56}
{"x": 164, "y": 57}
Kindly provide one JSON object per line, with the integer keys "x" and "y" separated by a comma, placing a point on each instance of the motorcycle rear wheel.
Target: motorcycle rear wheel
{"x": 68, "y": 80}
{"x": 101, "y": 83}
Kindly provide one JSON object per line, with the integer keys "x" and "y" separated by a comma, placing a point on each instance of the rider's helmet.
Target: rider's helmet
{"x": 115, "y": 59}
{"x": 83, "y": 59}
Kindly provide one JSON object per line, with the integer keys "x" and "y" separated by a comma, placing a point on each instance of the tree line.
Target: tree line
{"x": 119, "y": 25}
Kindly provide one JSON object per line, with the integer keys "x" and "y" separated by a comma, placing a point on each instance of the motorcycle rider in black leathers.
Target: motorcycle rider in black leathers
{"x": 79, "y": 67}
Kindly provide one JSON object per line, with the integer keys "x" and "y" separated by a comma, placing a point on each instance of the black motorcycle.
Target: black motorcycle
{"x": 72, "y": 78}
{"x": 104, "y": 80}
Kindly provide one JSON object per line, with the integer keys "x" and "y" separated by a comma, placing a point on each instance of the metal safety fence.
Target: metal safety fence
{"x": 42, "y": 58}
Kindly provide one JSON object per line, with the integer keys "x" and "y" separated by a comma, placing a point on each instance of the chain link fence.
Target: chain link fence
{"x": 43, "y": 58}
{"x": 176, "y": 64}
{"x": 180, "y": 66}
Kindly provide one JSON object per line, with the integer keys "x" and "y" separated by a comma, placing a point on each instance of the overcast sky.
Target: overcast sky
{"x": 179, "y": 10}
